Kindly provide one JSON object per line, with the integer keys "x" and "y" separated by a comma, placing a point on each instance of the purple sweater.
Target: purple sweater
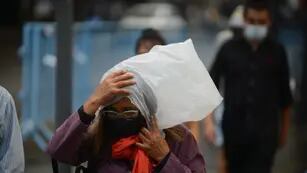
{"x": 67, "y": 145}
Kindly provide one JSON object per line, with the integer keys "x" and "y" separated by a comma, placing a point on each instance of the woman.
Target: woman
{"x": 125, "y": 136}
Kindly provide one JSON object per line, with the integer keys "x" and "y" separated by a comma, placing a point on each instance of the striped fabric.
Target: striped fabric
{"x": 11, "y": 147}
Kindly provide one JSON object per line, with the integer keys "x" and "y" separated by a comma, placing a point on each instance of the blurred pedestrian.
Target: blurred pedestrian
{"x": 212, "y": 124}
{"x": 11, "y": 146}
{"x": 257, "y": 93}
{"x": 148, "y": 39}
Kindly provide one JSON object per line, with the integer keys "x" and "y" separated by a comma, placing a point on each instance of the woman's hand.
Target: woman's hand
{"x": 154, "y": 145}
{"x": 113, "y": 85}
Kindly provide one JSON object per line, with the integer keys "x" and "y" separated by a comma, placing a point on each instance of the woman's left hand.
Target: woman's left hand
{"x": 154, "y": 145}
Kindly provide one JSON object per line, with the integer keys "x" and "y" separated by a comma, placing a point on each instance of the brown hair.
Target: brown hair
{"x": 151, "y": 35}
{"x": 96, "y": 133}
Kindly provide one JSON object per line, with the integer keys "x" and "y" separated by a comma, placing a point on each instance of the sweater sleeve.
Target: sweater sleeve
{"x": 188, "y": 159}
{"x": 69, "y": 143}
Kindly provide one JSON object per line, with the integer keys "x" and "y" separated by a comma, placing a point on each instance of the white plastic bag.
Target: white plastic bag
{"x": 179, "y": 80}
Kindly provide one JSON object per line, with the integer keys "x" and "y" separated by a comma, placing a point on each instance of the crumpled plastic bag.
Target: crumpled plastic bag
{"x": 182, "y": 86}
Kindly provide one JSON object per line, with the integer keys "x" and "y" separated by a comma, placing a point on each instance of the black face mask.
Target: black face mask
{"x": 120, "y": 127}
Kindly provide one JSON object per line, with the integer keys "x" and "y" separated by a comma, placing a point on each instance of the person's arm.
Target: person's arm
{"x": 216, "y": 73}
{"x": 188, "y": 160}
{"x": 209, "y": 128}
{"x": 70, "y": 141}
{"x": 286, "y": 97}
{"x": 285, "y": 125}
{"x": 218, "y": 67}
{"x": 11, "y": 146}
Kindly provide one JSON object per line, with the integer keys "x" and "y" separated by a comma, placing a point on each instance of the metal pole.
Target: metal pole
{"x": 64, "y": 22}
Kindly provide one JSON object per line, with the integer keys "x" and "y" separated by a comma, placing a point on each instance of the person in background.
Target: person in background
{"x": 257, "y": 93}
{"x": 148, "y": 39}
{"x": 212, "y": 124}
{"x": 11, "y": 146}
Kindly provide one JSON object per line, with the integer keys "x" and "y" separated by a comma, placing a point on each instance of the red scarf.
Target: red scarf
{"x": 125, "y": 149}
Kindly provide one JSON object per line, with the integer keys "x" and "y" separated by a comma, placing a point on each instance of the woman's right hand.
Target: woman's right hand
{"x": 113, "y": 85}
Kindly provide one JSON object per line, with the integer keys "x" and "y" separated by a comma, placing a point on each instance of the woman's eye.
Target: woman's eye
{"x": 128, "y": 114}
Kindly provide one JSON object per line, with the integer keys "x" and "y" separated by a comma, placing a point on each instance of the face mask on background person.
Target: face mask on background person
{"x": 255, "y": 32}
